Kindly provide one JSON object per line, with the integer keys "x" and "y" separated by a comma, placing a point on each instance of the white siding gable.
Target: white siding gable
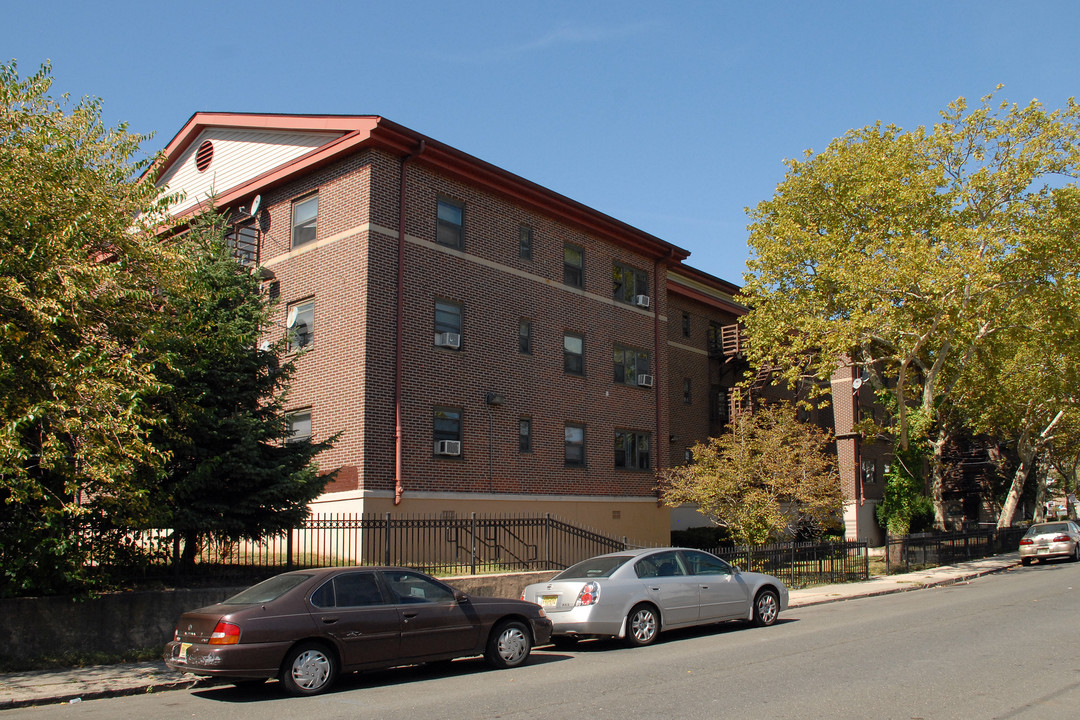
{"x": 239, "y": 155}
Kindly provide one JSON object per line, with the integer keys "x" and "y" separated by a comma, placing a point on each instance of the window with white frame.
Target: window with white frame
{"x": 300, "y": 325}
{"x": 299, "y": 425}
{"x": 305, "y": 220}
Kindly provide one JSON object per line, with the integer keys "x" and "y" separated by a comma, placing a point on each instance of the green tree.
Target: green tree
{"x": 903, "y": 252}
{"x": 904, "y": 505}
{"x": 78, "y": 289}
{"x": 232, "y": 469}
{"x": 767, "y": 477}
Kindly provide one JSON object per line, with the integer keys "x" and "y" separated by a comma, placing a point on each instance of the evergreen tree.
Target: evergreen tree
{"x": 232, "y": 469}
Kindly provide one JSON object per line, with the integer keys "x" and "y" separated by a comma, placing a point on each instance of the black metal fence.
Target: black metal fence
{"x": 931, "y": 549}
{"x": 803, "y": 564}
{"x": 443, "y": 545}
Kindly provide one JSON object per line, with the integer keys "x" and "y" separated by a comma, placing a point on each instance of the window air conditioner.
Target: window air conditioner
{"x": 641, "y": 301}
{"x": 448, "y": 447}
{"x": 448, "y": 340}
{"x": 644, "y": 380}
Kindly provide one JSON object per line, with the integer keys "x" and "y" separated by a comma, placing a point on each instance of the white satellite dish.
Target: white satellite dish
{"x": 856, "y": 383}
{"x": 255, "y": 204}
{"x": 291, "y": 320}
{"x": 264, "y": 345}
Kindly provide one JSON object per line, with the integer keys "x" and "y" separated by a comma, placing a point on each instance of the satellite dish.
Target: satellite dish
{"x": 264, "y": 346}
{"x": 291, "y": 320}
{"x": 255, "y": 204}
{"x": 856, "y": 383}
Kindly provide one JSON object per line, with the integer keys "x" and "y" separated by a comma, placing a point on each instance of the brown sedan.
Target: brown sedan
{"x": 305, "y": 627}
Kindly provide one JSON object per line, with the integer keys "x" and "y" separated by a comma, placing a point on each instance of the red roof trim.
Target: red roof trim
{"x": 674, "y": 286}
{"x": 375, "y": 131}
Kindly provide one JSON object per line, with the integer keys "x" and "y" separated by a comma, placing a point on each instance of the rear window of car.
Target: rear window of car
{"x": 1048, "y": 528}
{"x": 267, "y": 590}
{"x": 593, "y": 567}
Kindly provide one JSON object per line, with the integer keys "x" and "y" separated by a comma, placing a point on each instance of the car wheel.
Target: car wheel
{"x": 1025, "y": 561}
{"x": 642, "y": 625}
{"x": 309, "y": 669}
{"x": 1076, "y": 553}
{"x": 766, "y": 608}
{"x": 509, "y": 645}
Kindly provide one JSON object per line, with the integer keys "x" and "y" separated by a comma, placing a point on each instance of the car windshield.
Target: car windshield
{"x": 267, "y": 590}
{"x": 593, "y": 567}
{"x": 1048, "y": 528}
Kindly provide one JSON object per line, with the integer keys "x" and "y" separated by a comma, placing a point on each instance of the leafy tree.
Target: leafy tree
{"x": 232, "y": 469}
{"x": 903, "y": 252}
{"x": 904, "y": 505}
{"x": 763, "y": 480}
{"x": 78, "y": 289}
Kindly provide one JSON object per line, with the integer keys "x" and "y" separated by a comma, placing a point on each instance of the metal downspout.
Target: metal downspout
{"x": 399, "y": 485}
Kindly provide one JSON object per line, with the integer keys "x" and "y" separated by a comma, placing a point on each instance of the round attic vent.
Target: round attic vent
{"x": 204, "y": 155}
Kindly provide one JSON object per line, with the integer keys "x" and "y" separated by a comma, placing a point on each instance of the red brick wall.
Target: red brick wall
{"x": 348, "y": 376}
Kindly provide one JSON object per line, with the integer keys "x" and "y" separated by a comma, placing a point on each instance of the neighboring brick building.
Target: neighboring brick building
{"x": 550, "y": 358}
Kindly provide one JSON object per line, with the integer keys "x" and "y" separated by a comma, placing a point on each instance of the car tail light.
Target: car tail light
{"x": 1027, "y": 541}
{"x": 1061, "y": 538}
{"x": 589, "y": 594}
{"x": 225, "y": 634}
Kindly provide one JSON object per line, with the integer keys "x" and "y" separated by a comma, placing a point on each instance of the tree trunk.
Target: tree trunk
{"x": 1005, "y": 519}
{"x": 937, "y": 474}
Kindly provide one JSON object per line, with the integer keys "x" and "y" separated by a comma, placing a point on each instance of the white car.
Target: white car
{"x": 635, "y": 594}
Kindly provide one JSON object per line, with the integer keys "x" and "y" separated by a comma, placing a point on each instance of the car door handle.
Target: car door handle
{"x": 704, "y": 587}
{"x": 410, "y": 615}
{"x": 329, "y": 620}
{"x": 655, "y": 587}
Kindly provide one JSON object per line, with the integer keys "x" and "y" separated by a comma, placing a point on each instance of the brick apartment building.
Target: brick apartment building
{"x": 481, "y": 343}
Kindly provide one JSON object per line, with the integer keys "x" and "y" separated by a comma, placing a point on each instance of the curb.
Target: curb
{"x": 78, "y": 697}
{"x": 908, "y": 588}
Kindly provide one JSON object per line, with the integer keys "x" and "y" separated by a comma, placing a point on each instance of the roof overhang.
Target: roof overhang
{"x": 351, "y": 133}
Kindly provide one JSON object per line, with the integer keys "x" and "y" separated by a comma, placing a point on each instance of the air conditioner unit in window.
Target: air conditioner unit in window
{"x": 448, "y": 340}
{"x": 644, "y": 380}
{"x": 641, "y": 300}
{"x": 447, "y": 447}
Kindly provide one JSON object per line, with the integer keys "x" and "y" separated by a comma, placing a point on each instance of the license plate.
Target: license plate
{"x": 1042, "y": 551}
{"x": 183, "y": 651}
{"x": 549, "y": 600}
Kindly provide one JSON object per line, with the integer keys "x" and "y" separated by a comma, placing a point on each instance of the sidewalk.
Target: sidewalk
{"x": 77, "y": 684}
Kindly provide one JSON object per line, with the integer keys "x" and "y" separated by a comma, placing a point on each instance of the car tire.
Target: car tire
{"x": 309, "y": 669}
{"x": 766, "y": 607}
{"x": 1025, "y": 561}
{"x": 508, "y": 645}
{"x": 1076, "y": 553}
{"x": 642, "y": 625}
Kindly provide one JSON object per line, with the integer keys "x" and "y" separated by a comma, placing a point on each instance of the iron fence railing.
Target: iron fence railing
{"x": 448, "y": 545}
{"x": 438, "y": 544}
{"x": 926, "y": 549}
{"x": 801, "y": 564}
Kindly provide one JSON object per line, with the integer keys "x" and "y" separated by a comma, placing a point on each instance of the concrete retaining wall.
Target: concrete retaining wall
{"x": 53, "y": 626}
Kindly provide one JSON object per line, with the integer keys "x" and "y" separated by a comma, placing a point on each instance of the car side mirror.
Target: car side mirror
{"x": 460, "y": 596}
{"x": 735, "y": 569}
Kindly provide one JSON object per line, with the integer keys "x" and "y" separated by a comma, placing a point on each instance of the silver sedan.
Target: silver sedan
{"x": 635, "y": 594}
{"x": 1043, "y": 541}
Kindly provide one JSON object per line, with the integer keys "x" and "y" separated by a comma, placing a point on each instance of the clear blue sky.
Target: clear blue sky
{"x": 671, "y": 116}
